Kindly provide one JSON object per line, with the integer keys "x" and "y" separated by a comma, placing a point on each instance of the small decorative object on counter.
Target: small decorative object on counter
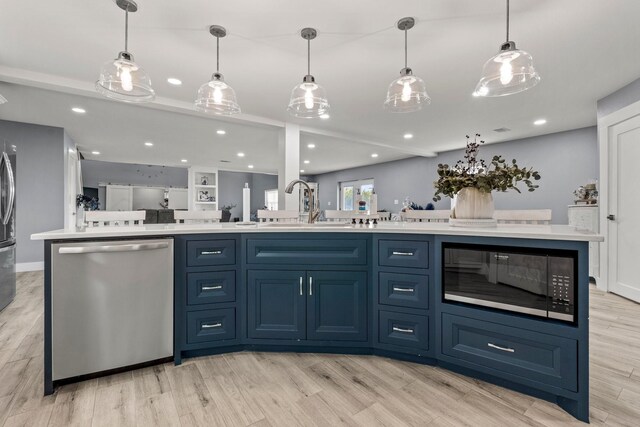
{"x": 362, "y": 206}
{"x": 373, "y": 203}
{"x": 85, "y": 203}
{"x": 226, "y": 212}
{"x": 586, "y": 194}
{"x": 472, "y": 182}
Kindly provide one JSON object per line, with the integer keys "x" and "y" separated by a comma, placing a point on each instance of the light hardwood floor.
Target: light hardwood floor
{"x": 279, "y": 389}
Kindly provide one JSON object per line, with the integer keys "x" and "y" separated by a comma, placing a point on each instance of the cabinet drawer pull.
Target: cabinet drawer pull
{"x": 499, "y": 257}
{"x": 310, "y": 286}
{"x": 403, "y": 330}
{"x": 211, "y": 325}
{"x": 301, "y": 286}
{"x": 402, "y": 253}
{"x": 497, "y": 347}
{"x": 211, "y": 252}
{"x": 211, "y": 288}
{"x": 397, "y": 289}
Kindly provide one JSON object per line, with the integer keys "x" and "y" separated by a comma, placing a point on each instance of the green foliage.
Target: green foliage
{"x": 498, "y": 176}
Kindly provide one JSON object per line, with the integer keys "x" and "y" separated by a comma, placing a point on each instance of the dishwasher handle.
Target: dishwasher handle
{"x": 112, "y": 248}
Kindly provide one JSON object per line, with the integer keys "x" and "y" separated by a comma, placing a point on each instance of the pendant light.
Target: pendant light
{"x": 510, "y": 71}
{"x": 308, "y": 99}
{"x": 215, "y": 96}
{"x": 407, "y": 93}
{"x": 122, "y": 79}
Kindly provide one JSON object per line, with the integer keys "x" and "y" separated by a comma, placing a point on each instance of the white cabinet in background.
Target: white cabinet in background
{"x": 586, "y": 217}
{"x": 119, "y": 198}
{"x": 203, "y": 188}
{"x": 178, "y": 198}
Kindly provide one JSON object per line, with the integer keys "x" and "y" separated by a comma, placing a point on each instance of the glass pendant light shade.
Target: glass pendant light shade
{"x": 124, "y": 80}
{"x": 217, "y": 97}
{"x": 308, "y": 100}
{"x": 510, "y": 71}
{"x": 407, "y": 93}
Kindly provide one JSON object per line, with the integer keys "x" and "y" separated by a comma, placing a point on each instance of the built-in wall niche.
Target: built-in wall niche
{"x": 203, "y": 188}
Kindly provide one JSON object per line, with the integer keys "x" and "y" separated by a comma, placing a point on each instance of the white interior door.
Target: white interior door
{"x": 623, "y": 207}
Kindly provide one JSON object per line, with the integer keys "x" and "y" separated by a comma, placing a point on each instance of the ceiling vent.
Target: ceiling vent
{"x": 503, "y": 129}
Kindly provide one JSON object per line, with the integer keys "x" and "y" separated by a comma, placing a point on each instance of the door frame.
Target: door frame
{"x": 605, "y": 125}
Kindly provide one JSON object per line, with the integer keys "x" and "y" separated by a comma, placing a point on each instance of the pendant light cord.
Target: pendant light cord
{"x": 308, "y": 56}
{"x": 405, "y": 48}
{"x": 507, "y": 20}
{"x": 217, "y": 54}
{"x": 126, "y": 30}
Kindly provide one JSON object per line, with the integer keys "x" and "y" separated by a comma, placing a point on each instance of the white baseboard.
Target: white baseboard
{"x": 29, "y": 266}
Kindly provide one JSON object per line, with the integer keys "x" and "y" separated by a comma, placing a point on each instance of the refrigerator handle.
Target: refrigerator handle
{"x": 12, "y": 187}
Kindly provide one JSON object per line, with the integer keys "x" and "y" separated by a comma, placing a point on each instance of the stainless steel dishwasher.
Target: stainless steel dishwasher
{"x": 112, "y": 305}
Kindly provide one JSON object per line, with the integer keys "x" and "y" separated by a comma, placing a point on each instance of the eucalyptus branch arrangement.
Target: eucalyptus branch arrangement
{"x": 473, "y": 172}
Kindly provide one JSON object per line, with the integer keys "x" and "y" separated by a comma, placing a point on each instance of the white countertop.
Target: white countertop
{"x": 545, "y": 232}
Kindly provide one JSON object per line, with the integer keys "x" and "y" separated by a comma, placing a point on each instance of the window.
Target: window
{"x": 271, "y": 199}
{"x": 349, "y": 190}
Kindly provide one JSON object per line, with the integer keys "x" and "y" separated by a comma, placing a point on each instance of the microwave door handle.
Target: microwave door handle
{"x": 12, "y": 188}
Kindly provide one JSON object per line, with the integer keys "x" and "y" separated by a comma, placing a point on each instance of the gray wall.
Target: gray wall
{"x": 94, "y": 172}
{"x": 232, "y": 183}
{"x": 39, "y": 183}
{"x": 565, "y": 161}
{"x": 624, "y": 96}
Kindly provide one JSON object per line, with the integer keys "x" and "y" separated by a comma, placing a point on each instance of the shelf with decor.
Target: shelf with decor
{"x": 203, "y": 188}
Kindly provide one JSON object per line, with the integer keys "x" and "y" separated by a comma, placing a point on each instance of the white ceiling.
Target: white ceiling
{"x": 584, "y": 50}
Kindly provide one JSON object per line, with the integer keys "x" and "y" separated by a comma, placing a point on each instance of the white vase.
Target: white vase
{"x": 472, "y": 203}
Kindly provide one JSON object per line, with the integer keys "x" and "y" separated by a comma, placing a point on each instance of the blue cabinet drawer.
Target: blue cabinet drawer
{"x": 403, "y": 290}
{"x": 211, "y": 287}
{"x": 403, "y": 253}
{"x": 403, "y": 329}
{"x": 211, "y": 325}
{"x": 548, "y": 359}
{"x": 211, "y": 252}
{"x": 307, "y": 251}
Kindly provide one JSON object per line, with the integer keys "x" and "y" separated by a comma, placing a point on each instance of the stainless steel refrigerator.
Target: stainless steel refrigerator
{"x": 7, "y": 225}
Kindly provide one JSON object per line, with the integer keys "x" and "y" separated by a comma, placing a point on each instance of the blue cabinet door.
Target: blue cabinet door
{"x": 276, "y": 306}
{"x": 337, "y": 306}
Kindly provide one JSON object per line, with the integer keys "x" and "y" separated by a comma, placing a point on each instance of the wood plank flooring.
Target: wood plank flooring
{"x": 281, "y": 389}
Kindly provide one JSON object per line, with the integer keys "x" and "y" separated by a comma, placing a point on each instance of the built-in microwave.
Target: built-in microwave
{"x": 538, "y": 282}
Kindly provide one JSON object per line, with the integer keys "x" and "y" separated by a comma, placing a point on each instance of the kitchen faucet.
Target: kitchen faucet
{"x": 313, "y": 212}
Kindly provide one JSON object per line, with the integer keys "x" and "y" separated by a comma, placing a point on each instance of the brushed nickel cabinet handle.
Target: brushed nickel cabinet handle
{"x": 403, "y": 330}
{"x": 211, "y": 288}
{"x": 211, "y": 252}
{"x": 310, "y": 286}
{"x": 301, "y": 286}
{"x": 398, "y": 289}
{"x": 504, "y": 257}
{"x": 497, "y": 347}
{"x": 402, "y": 253}
{"x": 211, "y": 325}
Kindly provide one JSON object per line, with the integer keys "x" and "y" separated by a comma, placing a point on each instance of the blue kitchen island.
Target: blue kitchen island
{"x": 507, "y": 305}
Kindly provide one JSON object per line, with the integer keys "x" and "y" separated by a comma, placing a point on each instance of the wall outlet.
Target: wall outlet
{"x": 395, "y": 202}
{"x": 328, "y": 203}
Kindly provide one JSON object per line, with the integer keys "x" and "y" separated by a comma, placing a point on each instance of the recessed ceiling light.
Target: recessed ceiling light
{"x": 221, "y": 132}
{"x": 301, "y": 170}
{"x": 408, "y": 135}
{"x": 149, "y": 144}
{"x": 306, "y": 162}
{"x": 240, "y": 154}
{"x": 95, "y": 153}
{"x": 374, "y": 155}
{"x": 250, "y": 166}
{"x": 184, "y": 160}
{"x": 325, "y": 116}
{"x": 311, "y": 145}
{"x": 540, "y": 122}
{"x": 78, "y": 110}
{"x": 174, "y": 81}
